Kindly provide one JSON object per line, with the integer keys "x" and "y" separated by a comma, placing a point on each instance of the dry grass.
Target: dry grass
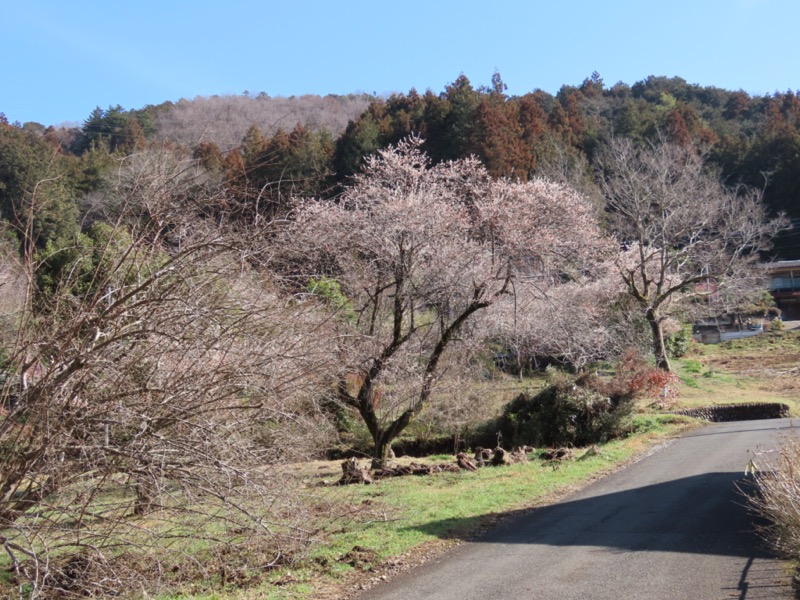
{"x": 778, "y": 482}
{"x": 764, "y": 368}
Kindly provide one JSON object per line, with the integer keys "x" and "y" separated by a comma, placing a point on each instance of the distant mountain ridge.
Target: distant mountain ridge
{"x": 224, "y": 120}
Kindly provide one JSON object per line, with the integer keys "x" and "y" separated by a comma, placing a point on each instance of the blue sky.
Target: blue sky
{"x": 61, "y": 59}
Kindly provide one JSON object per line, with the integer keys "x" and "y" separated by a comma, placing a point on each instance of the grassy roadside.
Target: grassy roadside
{"x": 410, "y": 519}
{"x": 398, "y": 523}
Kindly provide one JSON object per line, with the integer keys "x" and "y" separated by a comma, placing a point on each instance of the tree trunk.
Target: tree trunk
{"x": 382, "y": 453}
{"x": 145, "y": 496}
{"x": 659, "y": 348}
{"x": 364, "y": 402}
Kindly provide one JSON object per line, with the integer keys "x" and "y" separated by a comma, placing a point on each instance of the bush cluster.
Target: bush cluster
{"x": 579, "y": 410}
{"x": 569, "y": 411}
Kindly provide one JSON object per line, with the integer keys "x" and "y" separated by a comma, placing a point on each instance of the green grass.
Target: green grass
{"x": 659, "y": 424}
{"x": 692, "y": 366}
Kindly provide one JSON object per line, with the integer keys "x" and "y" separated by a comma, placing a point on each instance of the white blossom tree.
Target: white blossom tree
{"x": 418, "y": 249}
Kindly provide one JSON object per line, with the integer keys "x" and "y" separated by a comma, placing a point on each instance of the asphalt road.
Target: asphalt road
{"x": 671, "y": 526}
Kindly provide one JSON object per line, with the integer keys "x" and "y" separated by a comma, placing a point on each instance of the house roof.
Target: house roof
{"x": 783, "y": 264}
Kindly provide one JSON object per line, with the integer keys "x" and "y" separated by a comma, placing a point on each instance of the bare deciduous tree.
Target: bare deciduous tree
{"x": 419, "y": 250}
{"x": 156, "y": 377}
{"x": 678, "y": 225}
{"x": 224, "y": 120}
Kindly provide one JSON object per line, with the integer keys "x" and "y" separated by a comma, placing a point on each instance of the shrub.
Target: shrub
{"x": 331, "y": 291}
{"x": 570, "y": 411}
{"x": 776, "y": 324}
{"x": 636, "y": 378}
{"x": 678, "y": 343}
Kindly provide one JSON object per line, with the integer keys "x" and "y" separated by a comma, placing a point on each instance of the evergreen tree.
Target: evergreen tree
{"x": 35, "y": 195}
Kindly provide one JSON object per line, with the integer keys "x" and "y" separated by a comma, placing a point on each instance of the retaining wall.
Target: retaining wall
{"x": 738, "y": 412}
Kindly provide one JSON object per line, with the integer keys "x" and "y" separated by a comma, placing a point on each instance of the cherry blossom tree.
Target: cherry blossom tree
{"x": 419, "y": 249}
{"x": 678, "y": 226}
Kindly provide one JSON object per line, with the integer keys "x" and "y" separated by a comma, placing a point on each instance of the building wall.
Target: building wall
{"x": 715, "y": 337}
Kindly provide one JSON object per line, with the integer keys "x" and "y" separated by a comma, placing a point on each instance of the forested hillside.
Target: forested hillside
{"x": 311, "y": 145}
{"x": 751, "y": 140}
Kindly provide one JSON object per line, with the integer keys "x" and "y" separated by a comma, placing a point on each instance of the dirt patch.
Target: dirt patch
{"x": 760, "y": 364}
{"x": 359, "y": 558}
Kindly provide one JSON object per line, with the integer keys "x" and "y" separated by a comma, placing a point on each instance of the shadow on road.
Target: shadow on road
{"x": 704, "y": 514}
